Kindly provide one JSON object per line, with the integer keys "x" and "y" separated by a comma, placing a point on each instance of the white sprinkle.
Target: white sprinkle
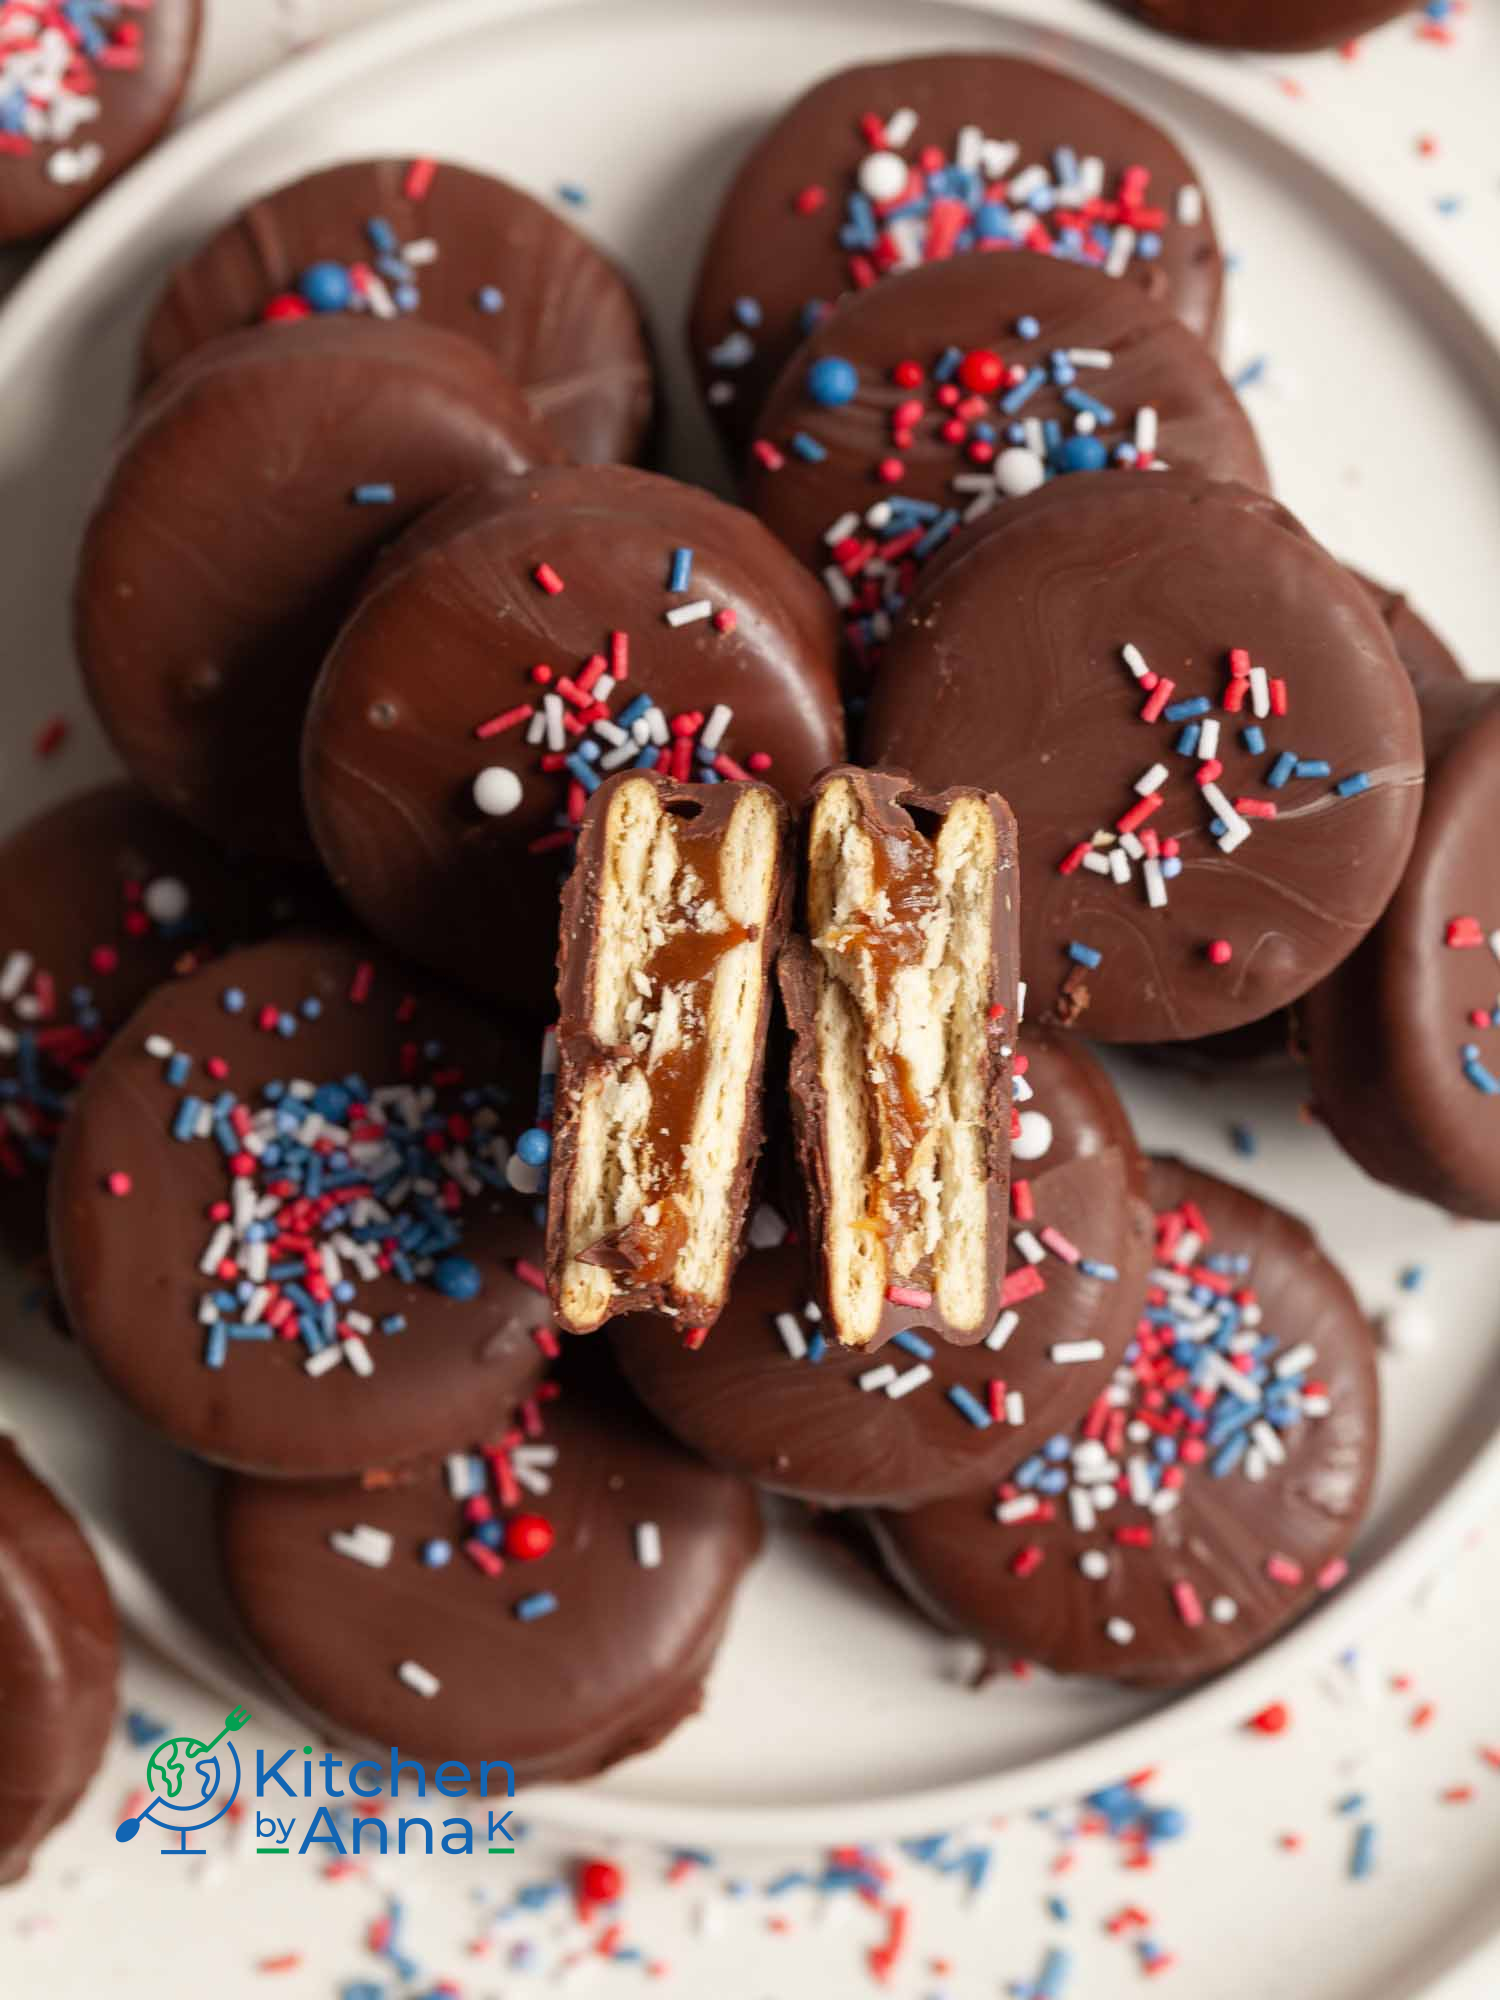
{"x": 166, "y": 900}
{"x": 1269, "y": 1444}
{"x": 1190, "y": 204}
{"x": 1208, "y": 738}
{"x": 648, "y": 1545}
{"x": 1121, "y": 250}
{"x": 536, "y": 729}
{"x": 1090, "y": 357}
{"x": 768, "y": 1229}
{"x": 1120, "y": 1630}
{"x": 423, "y": 251}
{"x": 1069, "y": 1352}
{"x": 1260, "y": 691}
{"x": 552, "y": 711}
{"x": 1026, "y": 1241}
{"x": 900, "y": 126}
{"x": 1156, "y": 883}
{"x": 158, "y": 1047}
{"x": 1493, "y": 941}
{"x": 1152, "y": 780}
{"x": 793, "y": 1339}
{"x": 1135, "y": 660}
{"x": 689, "y": 614}
{"x": 1223, "y": 1610}
{"x": 812, "y": 1311}
{"x": 1165, "y": 1499}
{"x": 464, "y": 1477}
{"x": 1081, "y": 1508}
{"x": 14, "y": 974}
{"x": 1002, "y": 1330}
{"x": 845, "y": 526}
{"x": 370, "y": 1546}
{"x": 418, "y": 1679}
{"x": 838, "y": 586}
{"x": 325, "y": 1358}
{"x": 1091, "y": 176}
{"x": 1015, "y": 1407}
{"x": 712, "y": 733}
{"x": 497, "y": 791}
{"x": 1144, "y": 437}
{"x": 1020, "y": 1090}
{"x": 883, "y": 176}
{"x": 219, "y": 1245}
{"x": 1030, "y": 181}
{"x": 1119, "y": 864}
{"x": 1008, "y": 1512}
{"x": 914, "y": 1378}
{"x": 968, "y": 148}
{"x": 1132, "y": 847}
{"x": 1033, "y": 1141}
{"x": 358, "y": 1356}
{"x": 1407, "y": 1328}
{"x": 877, "y": 1378}
{"x": 1094, "y": 1564}
{"x": 1296, "y": 1359}
{"x": 1138, "y": 1476}
{"x": 1097, "y": 863}
{"x": 1000, "y": 155}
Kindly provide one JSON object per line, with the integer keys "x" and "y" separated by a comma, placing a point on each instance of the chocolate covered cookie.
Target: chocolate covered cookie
{"x": 770, "y": 1395}
{"x": 101, "y": 899}
{"x": 554, "y": 1597}
{"x": 671, "y": 922}
{"x": 282, "y": 1216}
{"x": 86, "y": 86}
{"x": 285, "y": 459}
{"x": 890, "y": 165}
{"x": 1401, "y": 1052}
{"x": 59, "y": 1663}
{"x": 902, "y": 1002}
{"x": 1209, "y": 1496}
{"x": 423, "y": 240}
{"x": 1289, "y": 25}
{"x": 1210, "y": 746}
{"x": 919, "y": 406}
{"x": 588, "y": 621}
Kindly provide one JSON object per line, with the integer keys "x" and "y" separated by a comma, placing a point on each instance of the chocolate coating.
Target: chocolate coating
{"x": 570, "y": 333}
{"x": 766, "y": 249}
{"x": 77, "y": 885}
{"x": 128, "y": 1266}
{"x": 973, "y": 306}
{"x": 135, "y": 81}
{"x": 608, "y": 1674}
{"x": 391, "y": 753}
{"x": 59, "y": 1663}
{"x": 956, "y": 1560}
{"x": 805, "y": 1428}
{"x": 1009, "y": 672}
{"x": 1386, "y": 1035}
{"x": 1282, "y": 25}
{"x": 1274, "y": 1043}
{"x": 250, "y": 455}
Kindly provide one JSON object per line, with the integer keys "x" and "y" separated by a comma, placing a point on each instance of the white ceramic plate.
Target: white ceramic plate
{"x": 831, "y": 1713}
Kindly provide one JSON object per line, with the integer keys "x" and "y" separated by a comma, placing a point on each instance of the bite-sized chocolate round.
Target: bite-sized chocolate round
{"x": 1208, "y": 1498}
{"x": 1070, "y": 654}
{"x": 84, "y": 91}
{"x": 768, "y": 1396}
{"x": 59, "y": 1663}
{"x": 401, "y": 240}
{"x": 899, "y": 163}
{"x": 101, "y": 899}
{"x": 554, "y": 1598}
{"x": 281, "y": 1213}
{"x": 283, "y": 460}
{"x": 1402, "y": 1052}
{"x": 1281, "y": 25}
{"x": 1273, "y": 1043}
{"x": 922, "y": 404}
{"x": 565, "y": 608}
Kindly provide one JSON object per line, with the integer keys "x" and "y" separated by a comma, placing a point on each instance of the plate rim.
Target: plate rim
{"x": 1398, "y": 218}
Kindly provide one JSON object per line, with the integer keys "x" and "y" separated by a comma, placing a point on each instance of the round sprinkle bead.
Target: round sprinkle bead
{"x": 600, "y": 1882}
{"x": 528, "y": 1537}
{"x": 457, "y": 1278}
{"x": 326, "y": 287}
{"x": 1018, "y": 471}
{"x": 982, "y": 371}
{"x": 1094, "y": 1564}
{"x": 284, "y": 308}
{"x": 832, "y": 382}
{"x": 497, "y": 791}
{"x": 1034, "y": 1139}
{"x": 883, "y": 176}
{"x": 167, "y": 901}
{"x": 534, "y": 1147}
{"x": 1083, "y": 454}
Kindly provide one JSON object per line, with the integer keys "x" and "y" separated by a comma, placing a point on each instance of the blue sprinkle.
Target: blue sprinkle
{"x": 832, "y": 382}
{"x": 1412, "y": 1277}
{"x": 142, "y": 1728}
{"x": 232, "y": 1000}
{"x": 1254, "y": 739}
{"x": 178, "y": 1069}
{"x": 747, "y": 312}
{"x": 1085, "y": 954}
{"x": 1314, "y": 767}
{"x": 376, "y": 494}
{"x": 682, "y": 569}
{"x": 1028, "y": 326}
{"x": 540, "y": 1604}
{"x": 1187, "y": 742}
{"x": 572, "y": 194}
{"x": 913, "y": 1343}
{"x": 1184, "y": 711}
{"x": 490, "y": 299}
{"x": 1244, "y": 1141}
{"x": 1281, "y": 770}
{"x": 1362, "y": 1858}
{"x": 1092, "y": 1267}
{"x": 1353, "y": 785}
{"x": 807, "y": 448}
{"x": 969, "y": 1406}
{"x": 327, "y": 287}
{"x": 1352, "y": 1802}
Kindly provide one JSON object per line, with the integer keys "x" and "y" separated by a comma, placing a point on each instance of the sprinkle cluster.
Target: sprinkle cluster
{"x": 1130, "y": 854}
{"x": 581, "y": 739}
{"x": 50, "y": 1040}
{"x": 974, "y": 194}
{"x": 54, "y": 55}
{"x": 1031, "y": 1247}
{"x": 333, "y": 1186}
{"x": 1203, "y": 1391}
{"x": 977, "y": 404}
{"x": 1466, "y": 934}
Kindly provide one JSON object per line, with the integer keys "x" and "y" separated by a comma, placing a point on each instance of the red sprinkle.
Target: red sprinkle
{"x": 1272, "y": 1720}
{"x": 118, "y": 1183}
{"x": 1220, "y": 951}
{"x": 419, "y": 178}
{"x": 548, "y": 578}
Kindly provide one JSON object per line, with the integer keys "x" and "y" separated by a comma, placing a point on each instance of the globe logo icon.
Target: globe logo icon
{"x": 192, "y": 1784}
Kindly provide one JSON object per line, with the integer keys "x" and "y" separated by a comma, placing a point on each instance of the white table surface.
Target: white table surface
{"x": 1245, "y": 1917}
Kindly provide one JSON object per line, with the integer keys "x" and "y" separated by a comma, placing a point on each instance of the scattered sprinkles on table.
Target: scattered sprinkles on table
{"x": 1252, "y": 712}
{"x": 1466, "y": 933}
{"x": 974, "y": 193}
{"x": 1205, "y": 1392}
{"x": 50, "y": 1037}
{"x": 588, "y": 722}
{"x": 981, "y": 403}
{"x": 332, "y": 1186}
{"x": 55, "y": 56}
